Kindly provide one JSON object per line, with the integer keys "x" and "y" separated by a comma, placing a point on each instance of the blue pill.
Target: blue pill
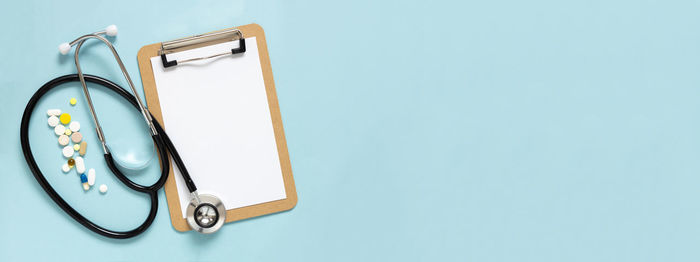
{"x": 83, "y": 178}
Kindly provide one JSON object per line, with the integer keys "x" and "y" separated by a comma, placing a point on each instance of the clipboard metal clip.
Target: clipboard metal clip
{"x": 199, "y": 41}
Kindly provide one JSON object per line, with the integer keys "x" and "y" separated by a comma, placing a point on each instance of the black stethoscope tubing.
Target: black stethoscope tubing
{"x": 161, "y": 140}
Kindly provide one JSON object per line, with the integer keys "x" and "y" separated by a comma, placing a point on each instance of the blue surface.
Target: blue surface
{"x": 422, "y": 130}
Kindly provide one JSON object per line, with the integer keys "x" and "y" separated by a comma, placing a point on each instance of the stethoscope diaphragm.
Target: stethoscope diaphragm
{"x": 205, "y": 213}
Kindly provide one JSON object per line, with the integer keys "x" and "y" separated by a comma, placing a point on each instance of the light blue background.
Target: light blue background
{"x": 417, "y": 130}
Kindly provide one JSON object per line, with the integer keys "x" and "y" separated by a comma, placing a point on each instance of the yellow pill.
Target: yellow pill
{"x": 65, "y": 118}
{"x": 76, "y": 147}
{"x": 73, "y": 101}
{"x": 68, "y": 132}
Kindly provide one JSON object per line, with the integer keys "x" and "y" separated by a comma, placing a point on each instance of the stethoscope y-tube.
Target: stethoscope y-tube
{"x": 78, "y": 43}
{"x": 205, "y": 213}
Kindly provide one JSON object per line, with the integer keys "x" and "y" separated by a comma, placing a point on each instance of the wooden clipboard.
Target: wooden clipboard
{"x": 149, "y": 85}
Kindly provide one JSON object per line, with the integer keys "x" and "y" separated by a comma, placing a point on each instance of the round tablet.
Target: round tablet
{"x": 74, "y": 126}
{"x": 63, "y": 140}
{"x": 65, "y": 118}
{"x": 68, "y": 132}
{"x": 53, "y": 121}
{"x": 73, "y": 101}
{"x": 68, "y": 151}
{"x": 76, "y": 137}
{"x": 65, "y": 168}
{"x": 59, "y": 130}
{"x": 103, "y": 188}
{"x": 76, "y": 147}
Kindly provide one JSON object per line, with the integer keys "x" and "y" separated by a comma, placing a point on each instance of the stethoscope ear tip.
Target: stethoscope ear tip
{"x": 64, "y": 48}
{"x": 111, "y": 30}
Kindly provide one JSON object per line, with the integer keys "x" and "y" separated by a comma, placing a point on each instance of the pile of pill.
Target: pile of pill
{"x": 66, "y": 135}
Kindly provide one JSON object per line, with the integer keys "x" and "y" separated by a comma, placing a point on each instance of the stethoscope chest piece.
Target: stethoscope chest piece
{"x": 206, "y": 214}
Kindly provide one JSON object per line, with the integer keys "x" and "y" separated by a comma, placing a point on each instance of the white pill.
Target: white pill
{"x": 79, "y": 165}
{"x": 103, "y": 188}
{"x": 59, "y": 130}
{"x": 65, "y": 168}
{"x": 68, "y": 151}
{"x": 63, "y": 140}
{"x": 74, "y": 126}
{"x": 53, "y": 121}
{"x": 91, "y": 176}
{"x": 53, "y": 112}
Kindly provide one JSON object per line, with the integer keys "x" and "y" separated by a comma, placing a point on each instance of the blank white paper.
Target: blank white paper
{"x": 217, "y": 115}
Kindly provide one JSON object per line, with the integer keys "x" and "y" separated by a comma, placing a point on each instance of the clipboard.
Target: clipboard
{"x": 249, "y": 38}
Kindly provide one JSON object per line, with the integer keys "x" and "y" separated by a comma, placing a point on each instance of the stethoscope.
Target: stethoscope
{"x": 205, "y": 213}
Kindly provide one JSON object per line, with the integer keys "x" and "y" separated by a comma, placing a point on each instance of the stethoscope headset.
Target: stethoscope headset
{"x": 205, "y": 213}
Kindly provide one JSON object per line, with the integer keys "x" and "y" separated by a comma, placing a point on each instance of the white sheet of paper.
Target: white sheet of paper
{"x": 216, "y": 113}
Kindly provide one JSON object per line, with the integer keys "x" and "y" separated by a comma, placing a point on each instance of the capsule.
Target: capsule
{"x": 80, "y": 165}
{"x": 84, "y": 180}
{"x": 91, "y": 176}
{"x": 83, "y": 148}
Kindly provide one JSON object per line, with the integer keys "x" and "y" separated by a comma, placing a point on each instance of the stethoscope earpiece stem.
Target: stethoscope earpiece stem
{"x": 78, "y": 42}
{"x": 110, "y": 30}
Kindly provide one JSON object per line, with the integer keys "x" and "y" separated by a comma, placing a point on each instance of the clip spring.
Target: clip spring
{"x": 198, "y": 40}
